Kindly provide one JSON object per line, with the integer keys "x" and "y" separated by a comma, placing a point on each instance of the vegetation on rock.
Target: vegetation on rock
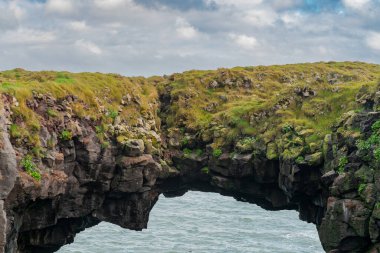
{"x": 30, "y": 167}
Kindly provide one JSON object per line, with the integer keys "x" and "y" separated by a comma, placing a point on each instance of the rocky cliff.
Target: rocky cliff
{"x": 78, "y": 149}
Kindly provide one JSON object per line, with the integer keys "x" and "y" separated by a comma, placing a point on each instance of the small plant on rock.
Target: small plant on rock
{"x": 287, "y": 128}
{"x": 376, "y": 126}
{"x": 66, "y": 135}
{"x": 187, "y": 152}
{"x": 376, "y": 154}
{"x": 361, "y": 188}
{"x": 14, "y": 131}
{"x": 217, "y": 152}
{"x": 199, "y": 152}
{"x": 52, "y": 113}
{"x": 300, "y": 159}
{"x": 205, "y": 170}
{"x": 113, "y": 114}
{"x": 30, "y": 167}
{"x": 343, "y": 161}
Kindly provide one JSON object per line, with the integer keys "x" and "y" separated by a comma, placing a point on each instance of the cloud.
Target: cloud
{"x": 145, "y": 37}
{"x": 356, "y": 4}
{"x": 285, "y": 4}
{"x": 292, "y": 19}
{"x": 59, "y": 6}
{"x": 180, "y": 5}
{"x": 238, "y": 3}
{"x": 112, "y": 4}
{"x": 78, "y": 25}
{"x": 88, "y": 46}
{"x": 27, "y": 36}
{"x": 185, "y": 30}
{"x": 261, "y": 17}
{"x": 17, "y": 11}
{"x": 244, "y": 41}
{"x": 373, "y": 40}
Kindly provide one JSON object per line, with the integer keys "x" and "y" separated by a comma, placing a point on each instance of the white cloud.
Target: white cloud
{"x": 239, "y": 3}
{"x": 185, "y": 30}
{"x": 111, "y": 4}
{"x": 27, "y": 36}
{"x": 17, "y": 11}
{"x": 260, "y": 17}
{"x": 88, "y": 46}
{"x": 244, "y": 41}
{"x": 285, "y": 4}
{"x": 78, "y": 25}
{"x": 292, "y": 19}
{"x": 356, "y": 4}
{"x": 59, "y": 6}
{"x": 124, "y": 35}
{"x": 373, "y": 40}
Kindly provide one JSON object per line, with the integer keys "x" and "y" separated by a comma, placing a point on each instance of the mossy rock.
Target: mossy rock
{"x": 365, "y": 174}
{"x": 314, "y": 159}
{"x": 272, "y": 152}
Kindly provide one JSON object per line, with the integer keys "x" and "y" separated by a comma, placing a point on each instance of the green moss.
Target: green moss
{"x": 217, "y": 153}
{"x": 205, "y": 170}
{"x": 361, "y": 188}
{"x": 30, "y": 167}
{"x": 287, "y": 128}
{"x": 66, "y": 135}
{"x": 272, "y": 152}
{"x": 113, "y": 114}
{"x": 376, "y": 126}
{"x": 52, "y": 113}
{"x": 14, "y": 131}
{"x": 343, "y": 161}
{"x": 198, "y": 152}
{"x": 187, "y": 152}
{"x": 376, "y": 154}
{"x": 300, "y": 160}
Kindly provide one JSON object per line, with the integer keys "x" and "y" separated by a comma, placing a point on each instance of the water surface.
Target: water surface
{"x": 202, "y": 223}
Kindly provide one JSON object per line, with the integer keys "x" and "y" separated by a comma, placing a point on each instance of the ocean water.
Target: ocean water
{"x": 202, "y": 223}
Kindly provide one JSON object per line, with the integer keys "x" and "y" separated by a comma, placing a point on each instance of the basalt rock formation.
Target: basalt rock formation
{"x": 79, "y": 149}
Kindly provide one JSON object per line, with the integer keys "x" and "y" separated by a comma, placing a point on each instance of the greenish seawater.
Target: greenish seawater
{"x": 201, "y": 223}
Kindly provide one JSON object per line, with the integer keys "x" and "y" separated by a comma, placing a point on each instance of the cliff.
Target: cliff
{"x": 78, "y": 149}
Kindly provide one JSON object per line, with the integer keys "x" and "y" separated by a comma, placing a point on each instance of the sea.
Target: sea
{"x": 202, "y": 222}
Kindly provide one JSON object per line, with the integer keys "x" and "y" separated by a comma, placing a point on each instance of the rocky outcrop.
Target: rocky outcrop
{"x": 85, "y": 175}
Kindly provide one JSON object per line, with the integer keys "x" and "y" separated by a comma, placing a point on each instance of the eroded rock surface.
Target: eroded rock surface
{"x": 115, "y": 167}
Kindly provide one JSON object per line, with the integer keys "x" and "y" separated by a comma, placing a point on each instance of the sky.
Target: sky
{"x": 156, "y": 37}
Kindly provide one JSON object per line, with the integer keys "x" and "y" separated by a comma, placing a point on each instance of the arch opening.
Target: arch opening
{"x": 204, "y": 222}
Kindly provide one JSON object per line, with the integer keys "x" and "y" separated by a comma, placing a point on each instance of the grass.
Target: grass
{"x": 261, "y": 101}
{"x": 94, "y": 91}
{"x": 247, "y": 102}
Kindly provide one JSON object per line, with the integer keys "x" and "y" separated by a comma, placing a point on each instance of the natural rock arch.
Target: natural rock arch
{"x": 86, "y": 179}
{"x": 123, "y": 189}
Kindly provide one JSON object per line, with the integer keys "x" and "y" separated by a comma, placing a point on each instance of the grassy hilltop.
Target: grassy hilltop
{"x": 225, "y": 107}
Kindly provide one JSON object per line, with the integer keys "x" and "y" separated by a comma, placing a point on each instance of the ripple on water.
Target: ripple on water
{"x": 201, "y": 223}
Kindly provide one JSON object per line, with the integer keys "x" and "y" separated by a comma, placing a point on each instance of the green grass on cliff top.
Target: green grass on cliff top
{"x": 98, "y": 95}
{"x": 232, "y": 108}
{"x": 335, "y": 84}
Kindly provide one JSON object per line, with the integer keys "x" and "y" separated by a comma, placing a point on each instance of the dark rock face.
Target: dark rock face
{"x": 88, "y": 183}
